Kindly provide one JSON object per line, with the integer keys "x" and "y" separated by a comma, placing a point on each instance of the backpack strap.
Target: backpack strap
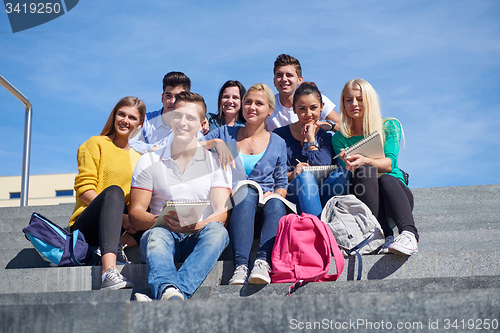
{"x": 74, "y": 238}
{"x": 295, "y": 286}
{"x": 338, "y": 257}
{"x": 356, "y": 251}
{"x": 360, "y": 260}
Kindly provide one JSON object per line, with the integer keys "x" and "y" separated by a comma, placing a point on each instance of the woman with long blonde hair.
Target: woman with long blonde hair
{"x": 386, "y": 195}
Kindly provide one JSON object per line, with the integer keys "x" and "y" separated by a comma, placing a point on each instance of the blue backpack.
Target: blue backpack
{"x": 56, "y": 245}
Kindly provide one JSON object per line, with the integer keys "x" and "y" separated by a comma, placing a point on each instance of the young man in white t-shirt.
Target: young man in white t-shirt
{"x": 179, "y": 172}
{"x": 287, "y": 77}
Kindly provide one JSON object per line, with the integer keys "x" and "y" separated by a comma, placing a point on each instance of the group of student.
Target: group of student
{"x": 189, "y": 154}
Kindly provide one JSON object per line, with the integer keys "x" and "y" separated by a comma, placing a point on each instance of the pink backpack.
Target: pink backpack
{"x": 302, "y": 250}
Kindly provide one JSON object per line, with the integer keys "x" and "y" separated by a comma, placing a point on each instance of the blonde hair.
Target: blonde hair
{"x": 372, "y": 117}
{"x": 267, "y": 92}
{"x": 109, "y": 127}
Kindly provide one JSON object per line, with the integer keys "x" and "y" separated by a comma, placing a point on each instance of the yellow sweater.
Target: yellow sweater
{"x": 100, "y": 165}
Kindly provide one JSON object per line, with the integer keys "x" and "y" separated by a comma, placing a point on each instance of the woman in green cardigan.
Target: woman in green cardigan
{"x": 386, "y": 195}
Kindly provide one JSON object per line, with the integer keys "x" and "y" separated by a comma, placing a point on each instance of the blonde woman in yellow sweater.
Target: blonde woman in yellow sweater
{"x": 105, "y": 166}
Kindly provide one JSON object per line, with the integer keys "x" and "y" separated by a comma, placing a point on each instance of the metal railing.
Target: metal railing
{"x": 27, "y": 138}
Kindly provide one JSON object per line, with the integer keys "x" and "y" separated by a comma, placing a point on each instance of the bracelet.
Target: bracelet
{"x": 314, "y": 143}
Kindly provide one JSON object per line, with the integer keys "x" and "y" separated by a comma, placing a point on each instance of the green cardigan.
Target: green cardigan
{"x": 392, "y": 131}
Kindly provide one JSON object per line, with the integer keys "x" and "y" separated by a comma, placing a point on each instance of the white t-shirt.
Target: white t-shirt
{"x": 159, "y": 173}
{"x": 285, "y": 116}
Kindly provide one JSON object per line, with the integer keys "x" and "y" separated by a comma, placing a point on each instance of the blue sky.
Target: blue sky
{"x": 435, "y": 65}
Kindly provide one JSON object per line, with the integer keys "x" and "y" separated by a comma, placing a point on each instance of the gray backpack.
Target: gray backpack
{"x": 353, "y": 225}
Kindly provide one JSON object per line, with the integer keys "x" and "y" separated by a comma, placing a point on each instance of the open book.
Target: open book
{"x": 320, "y": 172}
{"x": 183, "y": 210}
{"x": 291, "y": 208}
{"x": 371, "y": 147}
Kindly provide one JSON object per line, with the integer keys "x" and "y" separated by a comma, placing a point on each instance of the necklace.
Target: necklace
{"x": 251, "y": 149}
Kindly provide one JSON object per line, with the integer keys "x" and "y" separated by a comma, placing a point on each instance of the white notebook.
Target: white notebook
{"x": 371, "y": 147}
{"x": 183, "y": 209}
{"x": 320, "y": 172}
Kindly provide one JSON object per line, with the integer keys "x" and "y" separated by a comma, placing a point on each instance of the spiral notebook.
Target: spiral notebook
{"x": 183, "y": 209}
{"x": 320, "y": 172}
{"x": 371, "y": 147}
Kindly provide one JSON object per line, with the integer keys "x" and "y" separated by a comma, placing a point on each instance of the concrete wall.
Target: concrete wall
{"x": 42, "y": 189}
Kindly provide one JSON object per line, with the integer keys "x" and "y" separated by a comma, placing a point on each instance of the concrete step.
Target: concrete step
{"x": 461, "y": 216}
{"x": 375, "y": 267}
{"x": 271, "y": 290}
{"x": 448, "y": 195}
{"x": 457, "y": 200}
{"x": 49, "y": 211}
{"x": 82, "y": 278}
{"x": 67, "y": 297}
{"x": 427, "y": 201}
{"x": 349, "y": 287}
{"x": 17, "y": 252}
{"x": 17, "y": 223}
{"x": 458, "y": 240}
{"x": 454, "y": 221}
{"x": 410, "y": 311}
{"x": 449, "y": 221}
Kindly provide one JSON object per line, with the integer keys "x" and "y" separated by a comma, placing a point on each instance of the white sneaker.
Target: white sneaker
{"x": 405, "y": 243}
{"x": 171, "y": 293}
{"x": 142, "y": 298}
{"x": 239, "y": 275}
{"x": 388, "y": 241}
{"x": 260, "y": 273}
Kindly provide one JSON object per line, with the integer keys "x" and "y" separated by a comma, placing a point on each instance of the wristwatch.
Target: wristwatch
{"x": 332, "y": 123}
{"x": 313, "y": 143}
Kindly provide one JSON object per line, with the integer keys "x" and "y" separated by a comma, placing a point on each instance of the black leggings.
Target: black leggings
{"x": 101, "y": 221}
{"x": 386, "y": 196}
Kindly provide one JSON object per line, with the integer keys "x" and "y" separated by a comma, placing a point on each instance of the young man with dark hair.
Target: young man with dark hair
{"x": 181, "y": 171}
{"x": 156, "y": 128}
{"x": 287, "y": 77}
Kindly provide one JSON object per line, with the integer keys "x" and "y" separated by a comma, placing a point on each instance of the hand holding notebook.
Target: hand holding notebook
{"x": 186, "y": 212}
{"x": 371, "y": 147}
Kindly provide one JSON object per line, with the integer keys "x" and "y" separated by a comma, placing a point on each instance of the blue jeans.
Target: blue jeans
{"x": 163, "y": 248}
{"x": 244, "y": 217}
{"x": 305, "y": 192}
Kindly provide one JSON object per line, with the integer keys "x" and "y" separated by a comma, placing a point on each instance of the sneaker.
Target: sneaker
{"x": 171, "y": 293}
{"x": 260, "y": 273}
{"x": 388, "y": 241}
{"x": 239, "y": 275}
{"x": 405, "y": 243}
{"x": 121, "y": 257}
{"x": 114, "y": 280}
{"x": 142, "y": 298}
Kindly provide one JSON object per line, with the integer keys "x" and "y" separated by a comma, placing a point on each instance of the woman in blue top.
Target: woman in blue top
{"x": 308, "y": 144}
{"x": 261, "y": 157}
{"x": 387, "y": 195}
{"x": 229, "y": 106}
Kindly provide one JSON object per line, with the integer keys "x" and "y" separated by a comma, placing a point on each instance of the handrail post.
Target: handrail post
{"x": 27, "y": 138}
